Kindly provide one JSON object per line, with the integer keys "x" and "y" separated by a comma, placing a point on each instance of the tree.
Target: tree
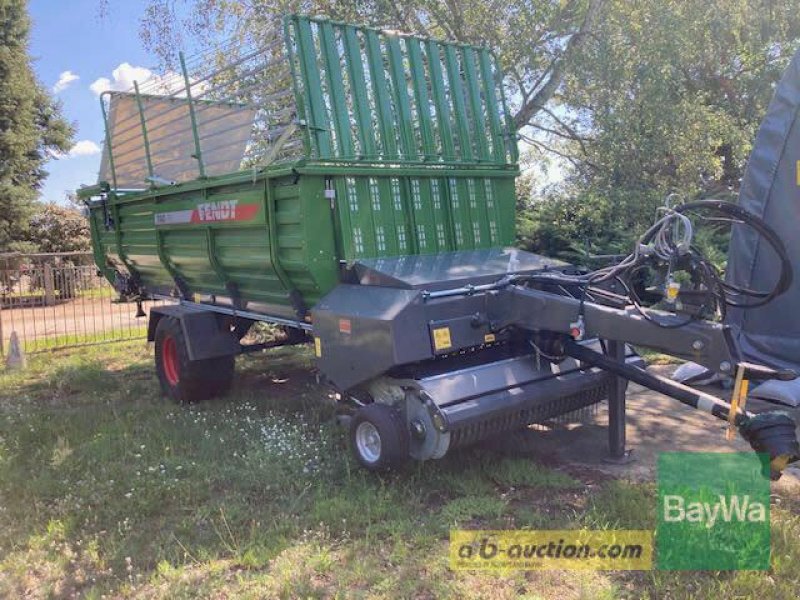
{"x": 32, "y": 129}
{"x": 533, "y": 39}
{"x": 57, "y": 228}
{"x": 665, "y": 97}
{"x": 635, "y": 99}
{"x": 669, "y": 93}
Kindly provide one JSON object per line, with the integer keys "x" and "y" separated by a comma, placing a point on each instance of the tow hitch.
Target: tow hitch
{"x": 773, "y": 433}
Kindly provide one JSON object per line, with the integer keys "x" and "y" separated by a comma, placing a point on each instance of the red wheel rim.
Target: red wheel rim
{"x": 169, "y": 359}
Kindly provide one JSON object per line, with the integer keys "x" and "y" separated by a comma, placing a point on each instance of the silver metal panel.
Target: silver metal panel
{"x": 449, "y": 269}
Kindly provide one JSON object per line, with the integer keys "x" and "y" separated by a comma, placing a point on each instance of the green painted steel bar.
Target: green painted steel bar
{"x": 490, "y": 94}
{"x": 401, "y": 100}
{"x": 355, "y": 71}
{"x": 308, "y": 65}
{"x": 441, "y": 207}
{"x": 459, "y": 186}
{"x": 493, "y": 209}
{"x": 118, "y": 237}
{"x": 272, "y": 232}
{"x": 201, "y": 184}
{"x": 211, "y": 250}
{"x": 144, "y": 130}
{"x": 198, "y": 152}
{"x": 457, "y": 98}
{"x": 474, "y": 93}
{"x": 345, "y": 214}
{"x": 379, "y": 30}
{"x": 169, "y": 267}
{"x": 109, "y": 147}
{"x": 388, "y": 216}
{"x": 405, "y": 171}
{"x": 424, "y": 217}
{"x": 383, "y": 106}
{"x": 410, "y": 216}
{"x": 483, "y": 216}
{"x": 365, "y": 215}
{"x": 511, "y": 131}
{"x": 440, "y": 100}
{"x": 300, "y": 99}
{"x": 421, "y": 98}
{"x": 338, "y": 100}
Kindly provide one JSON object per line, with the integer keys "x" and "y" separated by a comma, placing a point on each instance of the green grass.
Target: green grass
{"x": 106, "y": 489}
{"x": 101, "y": 291}
{"x": 71, "y": 340}
{"x": 653, "y": 357}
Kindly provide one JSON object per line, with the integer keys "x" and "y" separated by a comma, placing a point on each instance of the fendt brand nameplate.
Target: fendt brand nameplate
{"x": 209, "y": 212}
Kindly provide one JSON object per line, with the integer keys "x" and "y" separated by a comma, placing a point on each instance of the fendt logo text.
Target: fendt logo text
{"x": 730, "y": 509}
{"x": 220, "y": 211}
{"x": 224, "y": 210}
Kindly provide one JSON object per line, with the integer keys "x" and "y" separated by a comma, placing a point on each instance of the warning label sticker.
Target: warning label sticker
{"x": 441, "y": 339}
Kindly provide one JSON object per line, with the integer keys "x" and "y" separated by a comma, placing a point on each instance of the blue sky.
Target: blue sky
{"x": 69, "y": 36}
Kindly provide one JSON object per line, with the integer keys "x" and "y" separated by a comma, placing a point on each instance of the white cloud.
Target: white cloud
{"x": 125, "y": 74}
{"x": 64, "y": 81}
{"x": 84, "y": 148}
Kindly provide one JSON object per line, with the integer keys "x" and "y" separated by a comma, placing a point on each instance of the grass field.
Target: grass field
{"x": 106, "y": 489}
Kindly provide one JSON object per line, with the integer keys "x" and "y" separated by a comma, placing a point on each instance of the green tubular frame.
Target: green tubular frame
{"x": 145, "y": 139}
{"x": 366, "y": 96}
{"x": 198, "y": 151}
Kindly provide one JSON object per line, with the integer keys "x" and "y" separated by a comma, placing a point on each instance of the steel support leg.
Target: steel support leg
{"x": 616, "y": 405}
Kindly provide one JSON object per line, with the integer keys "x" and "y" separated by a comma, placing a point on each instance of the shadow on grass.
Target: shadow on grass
{"x": 107, "y": 488}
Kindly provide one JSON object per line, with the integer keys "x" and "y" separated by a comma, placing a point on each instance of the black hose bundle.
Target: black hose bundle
{"x": 739, "y": 215}
{"x": 668, "y": 242}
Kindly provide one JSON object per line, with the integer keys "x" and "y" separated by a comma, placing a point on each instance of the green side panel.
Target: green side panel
{"x": 387, "y": 215}
{"x": 222, "y": 242}
{"x": 423, "y": 100}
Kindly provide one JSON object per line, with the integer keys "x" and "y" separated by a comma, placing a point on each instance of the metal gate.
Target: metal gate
{"x": 58, "y": 300}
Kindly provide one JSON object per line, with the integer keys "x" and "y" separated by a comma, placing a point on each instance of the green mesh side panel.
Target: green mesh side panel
{"x": 370, "y": 95}
{"x": 401, "y": 215}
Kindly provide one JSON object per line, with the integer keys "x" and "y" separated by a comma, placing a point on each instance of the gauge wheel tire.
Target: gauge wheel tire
{"x": 379, "y": 437}
{"x": 186, "y": 381}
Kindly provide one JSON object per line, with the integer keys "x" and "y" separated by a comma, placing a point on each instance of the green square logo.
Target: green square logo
{"x": 713, "y": 511}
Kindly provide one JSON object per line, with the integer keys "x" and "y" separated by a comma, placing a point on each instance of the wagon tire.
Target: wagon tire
{"x": 182, "y": 380}
{"x": 379, "y": 437}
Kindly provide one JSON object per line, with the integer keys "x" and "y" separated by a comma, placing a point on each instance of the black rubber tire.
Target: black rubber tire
{"x": 392, "y": 431}
{"x": 190, "y": 381}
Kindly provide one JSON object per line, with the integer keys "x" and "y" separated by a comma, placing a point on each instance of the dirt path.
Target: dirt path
{"x": 656, "y": 423}
{"x": 97, "y": 318}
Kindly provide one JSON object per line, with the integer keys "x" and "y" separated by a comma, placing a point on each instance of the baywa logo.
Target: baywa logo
{"x": 729, "y": 509}
{"x": 713, "y": 511}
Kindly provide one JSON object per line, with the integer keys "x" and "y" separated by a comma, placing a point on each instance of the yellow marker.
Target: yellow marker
{"x": 778, "y": 464}
{"x": 441, "y": 338}
{"x": 797, "y": 170}
{"x": 317, "y": 347}
{"x": 489, "y": 338}
{"x": 673, "y": 288}
{"x": 738, "y": 400}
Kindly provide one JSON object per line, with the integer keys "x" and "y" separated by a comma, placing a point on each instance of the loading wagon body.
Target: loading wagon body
{"x": 403, "y": 146}
{"x": 356, "y": 188}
